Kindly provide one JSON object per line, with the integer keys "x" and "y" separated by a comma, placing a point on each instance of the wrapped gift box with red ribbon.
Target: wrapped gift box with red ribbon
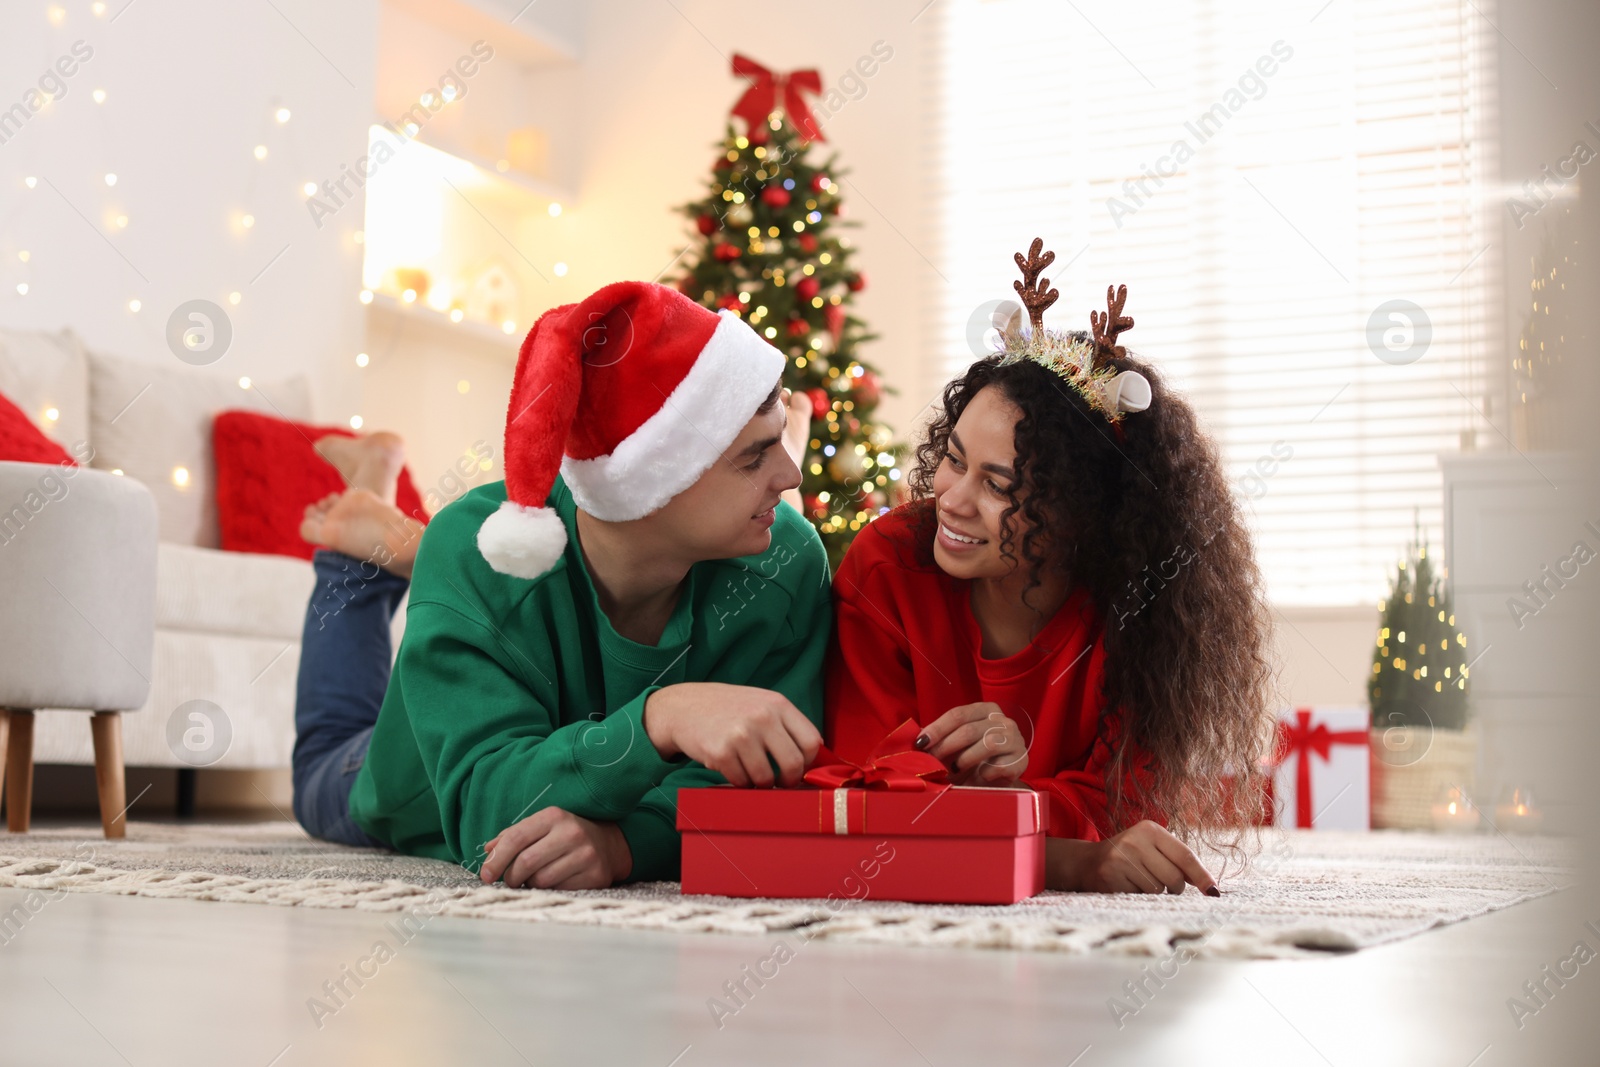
{"x": 890, "y": 829}
{"x": 1320, "y": 777}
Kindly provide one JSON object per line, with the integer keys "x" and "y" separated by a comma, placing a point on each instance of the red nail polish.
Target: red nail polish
{"x": 1213, "y": 891}
{"x": 921, "y": 742}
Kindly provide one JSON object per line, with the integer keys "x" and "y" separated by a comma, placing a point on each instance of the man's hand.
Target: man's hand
{"x": 1144, "y": 858}
{"x": 979, "y": 744}
{"x": 554, "y": 849}
{"x": 736, "y": 730}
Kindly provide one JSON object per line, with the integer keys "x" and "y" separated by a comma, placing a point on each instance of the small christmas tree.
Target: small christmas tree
{"x": 1419, "y": 669}
{"x": 768, "y": 252}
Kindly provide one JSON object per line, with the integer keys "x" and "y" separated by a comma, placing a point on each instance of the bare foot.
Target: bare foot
{"x": 358, "y": 523}
{"x": 372, "y": 462}
{"x": 311, "y": 525}
{"x": 796, "y": 435}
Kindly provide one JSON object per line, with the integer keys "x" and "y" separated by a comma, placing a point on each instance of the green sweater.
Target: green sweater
{"x": 511, "y": 695}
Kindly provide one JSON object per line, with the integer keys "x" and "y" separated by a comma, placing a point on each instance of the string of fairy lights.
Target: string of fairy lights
{"x": 268, "y": 151}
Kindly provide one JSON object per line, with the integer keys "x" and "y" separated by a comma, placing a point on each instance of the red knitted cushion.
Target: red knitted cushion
{"x": 267, "y": 473}
{"x": 23, "y": 442}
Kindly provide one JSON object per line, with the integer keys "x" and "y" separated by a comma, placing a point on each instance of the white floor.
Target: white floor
{"x": 90, "y": 979}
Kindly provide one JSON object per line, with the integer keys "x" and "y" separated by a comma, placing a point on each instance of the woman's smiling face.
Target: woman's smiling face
{"x": 971, "y": 490}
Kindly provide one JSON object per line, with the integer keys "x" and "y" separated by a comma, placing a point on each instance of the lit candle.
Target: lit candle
{"x": 1516, "y": 813}
{"x": 1454, "y": 812}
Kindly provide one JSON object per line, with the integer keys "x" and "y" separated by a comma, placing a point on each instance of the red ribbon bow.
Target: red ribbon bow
{"x": 763, "y": 97}
{"x": 894, "y": 765}
{"x": 1299, "y": 740}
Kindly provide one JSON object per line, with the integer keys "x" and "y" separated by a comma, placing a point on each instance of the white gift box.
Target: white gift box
{"x": 1322, "y": 778}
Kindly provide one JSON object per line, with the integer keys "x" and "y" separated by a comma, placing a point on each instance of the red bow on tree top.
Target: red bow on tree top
{"x": 894, "y": 764}
{"x": 771, "y": 91}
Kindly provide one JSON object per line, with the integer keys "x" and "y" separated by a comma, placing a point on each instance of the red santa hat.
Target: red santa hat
{"x": 631, "y": 394}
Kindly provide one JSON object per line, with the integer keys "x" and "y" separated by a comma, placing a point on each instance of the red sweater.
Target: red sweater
{"x": 905, "y": 643}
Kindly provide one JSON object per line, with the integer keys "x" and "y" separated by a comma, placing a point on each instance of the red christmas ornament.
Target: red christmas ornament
{"x": 798, "y": 327}
{"x": 726, "y": 251}
{"x": 833, "y": 315}
{"x": 776, "y": 195}
{"x": 730, "y": 302}
{"x": 807, "y": 287}
{"x": 685, "y": 284}
{"x": 706, "y": 224}
{"x": 820, "y": 404}
{"x": 869, "y": 389}
{"x": 807, "y": 242}
{"x": 815, "y": 507}
{"x": 820, "y": 183}
{"x": 857, "y": 282}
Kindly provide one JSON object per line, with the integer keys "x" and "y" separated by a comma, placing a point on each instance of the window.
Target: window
{"x": 1266, "y": 181}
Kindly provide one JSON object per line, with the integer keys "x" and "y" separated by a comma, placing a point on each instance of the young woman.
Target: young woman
{"x": 1070, "y": 602}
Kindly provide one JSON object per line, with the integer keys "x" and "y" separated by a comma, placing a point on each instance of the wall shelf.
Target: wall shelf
{"x": 400, "y": 314}
{"x": 513, "y": 179}
{"x": 524, "y": 40}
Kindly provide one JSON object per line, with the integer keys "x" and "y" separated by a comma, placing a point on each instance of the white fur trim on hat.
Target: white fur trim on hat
{"x": 521, "y": 541}
{"x": 734, "y": 373}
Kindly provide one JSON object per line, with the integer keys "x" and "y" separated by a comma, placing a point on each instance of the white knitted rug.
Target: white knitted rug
{"x": 1309, "y": 893}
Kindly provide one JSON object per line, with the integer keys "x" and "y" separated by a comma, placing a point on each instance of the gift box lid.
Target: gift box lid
{"x": 953, "y": 811}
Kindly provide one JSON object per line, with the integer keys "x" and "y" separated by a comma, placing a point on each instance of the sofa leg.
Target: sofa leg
{"x": 19, "y": 771}
{"x": 186, "y": 786}
{"x": 5, "y": 734}
{"x": 108, "y": 774}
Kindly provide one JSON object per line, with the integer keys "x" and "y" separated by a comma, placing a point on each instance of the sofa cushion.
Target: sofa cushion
{"x": 148, "y": 419}
{"x": 249, "y": 680}
{"x": 40, "y": 371}
{"x": 228, "y": 629}
{"x": 23, "y": 442}
{"x": 268, "y": 473}
{"x": 210, "y": 591}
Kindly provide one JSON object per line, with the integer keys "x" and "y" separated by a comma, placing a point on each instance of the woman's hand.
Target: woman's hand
{"x": 979, "y": 744}
{"x": 554, "y": 849}
{"x": 1144, "y": 858}
{"x": 739, "y": 731}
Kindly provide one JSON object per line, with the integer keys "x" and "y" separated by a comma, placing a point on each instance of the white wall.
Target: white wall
{"x": 191, "y": 90}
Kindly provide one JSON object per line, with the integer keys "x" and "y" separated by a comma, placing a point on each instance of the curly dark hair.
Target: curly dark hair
{"x": 1147, "y": 525}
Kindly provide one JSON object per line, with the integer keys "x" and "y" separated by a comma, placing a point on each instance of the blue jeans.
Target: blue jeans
{"x": 345, "y": 653}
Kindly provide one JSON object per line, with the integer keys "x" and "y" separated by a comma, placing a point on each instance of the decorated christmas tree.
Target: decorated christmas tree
{"x": 769, "y": 251}
{"x": 1419, "y": 669}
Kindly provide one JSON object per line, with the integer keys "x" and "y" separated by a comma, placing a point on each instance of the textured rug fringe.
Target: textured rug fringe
{"x": 1335, "y": 894}
{"x": 806, "y": 922}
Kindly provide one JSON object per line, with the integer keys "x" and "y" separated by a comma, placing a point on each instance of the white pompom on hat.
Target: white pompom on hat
{"x": 632, "y": 394}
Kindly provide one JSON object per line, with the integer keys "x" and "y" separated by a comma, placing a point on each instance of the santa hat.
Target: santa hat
{"x": 632, "y": 394}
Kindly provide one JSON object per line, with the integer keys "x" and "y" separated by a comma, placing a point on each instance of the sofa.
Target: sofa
{"x": 227, "y": 624}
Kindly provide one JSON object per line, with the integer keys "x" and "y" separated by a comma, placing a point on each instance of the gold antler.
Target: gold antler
{"x": 1108, "y": 326}
{"x": 1035, "y": 291}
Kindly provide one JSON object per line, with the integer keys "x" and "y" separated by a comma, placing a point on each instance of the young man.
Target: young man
{"x": 577, "y": 648}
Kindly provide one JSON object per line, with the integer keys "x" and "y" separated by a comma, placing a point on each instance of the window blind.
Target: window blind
{"x": 1265, "y": 178}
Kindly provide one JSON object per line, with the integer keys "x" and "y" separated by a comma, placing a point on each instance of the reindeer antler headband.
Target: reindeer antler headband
{"x": 1084, "y": 363}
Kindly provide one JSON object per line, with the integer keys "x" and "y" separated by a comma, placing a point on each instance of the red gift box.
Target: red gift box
{"x": 888, "y": 830}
